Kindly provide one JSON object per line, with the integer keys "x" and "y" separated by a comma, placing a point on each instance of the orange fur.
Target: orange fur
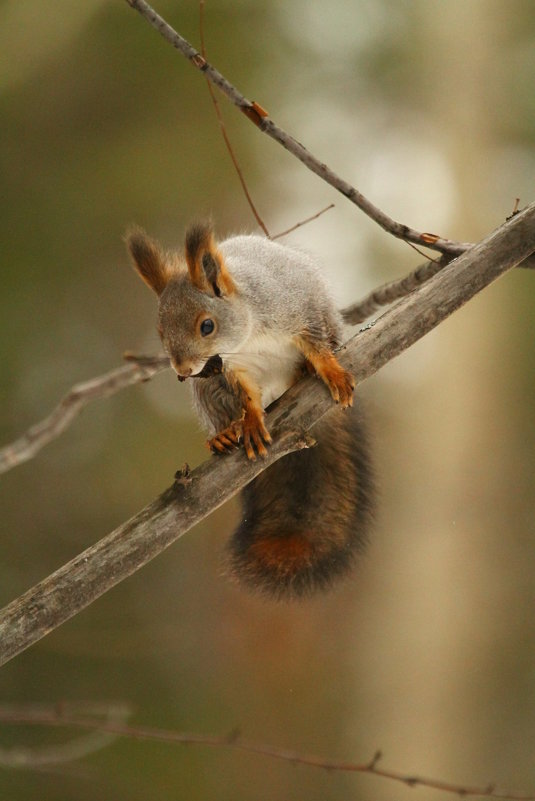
{"x": 340, "y": 382}
{"x": 250, "y": 428}
{"x": 293, "y": 550}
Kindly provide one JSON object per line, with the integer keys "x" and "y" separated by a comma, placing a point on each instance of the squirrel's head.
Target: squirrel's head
{"x": 200, "y": 314}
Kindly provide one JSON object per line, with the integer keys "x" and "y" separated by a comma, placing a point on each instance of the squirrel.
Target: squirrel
{"x": 244, "y": 319}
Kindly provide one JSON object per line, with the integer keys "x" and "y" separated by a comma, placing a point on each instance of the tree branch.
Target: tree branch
{"x": 72, "y": 404}
{"x": 52, "y": 717}
{"x": 93, "y": 572}
{"x": 233, "y": 156}
{"x": 303, "y": 222}
{"x": 97, "y": 737}
{"x": 224, "y": 134}
{"x": 259, "y": 116}
{"x": 42, "y": 433}
{"x": 256, "y": 114}
{"x": 394, "y": 290}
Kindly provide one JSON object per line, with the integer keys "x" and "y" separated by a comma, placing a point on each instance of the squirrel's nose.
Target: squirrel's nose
{"x": 182, "y": 371}
{"x": 186, "y": 366}
{"x": 182, "y": 367}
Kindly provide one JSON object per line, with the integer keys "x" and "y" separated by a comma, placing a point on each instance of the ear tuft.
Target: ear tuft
{"x": 206, "y": 266}
{"x": 199, "y": 242}
{"x": 149, "y": 261}
{"x": 211, "y": 271}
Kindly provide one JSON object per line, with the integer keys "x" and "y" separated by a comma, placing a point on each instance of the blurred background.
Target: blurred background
{"x": 427, "y": 652}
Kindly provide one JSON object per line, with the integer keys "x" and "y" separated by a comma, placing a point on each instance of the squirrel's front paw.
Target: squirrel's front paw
{"x": 226, "y": 440}
{"x": 250, "y": 429}
{"x": 255, "y": 434}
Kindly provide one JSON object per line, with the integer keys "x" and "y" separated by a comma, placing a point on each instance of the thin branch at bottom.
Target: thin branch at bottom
{"x": 39, "y": 756}
{"x": 233, "y": 741}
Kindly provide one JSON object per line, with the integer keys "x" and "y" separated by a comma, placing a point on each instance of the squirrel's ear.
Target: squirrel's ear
{"x": 207, "y": 269}
{"x": 148, "y": 259}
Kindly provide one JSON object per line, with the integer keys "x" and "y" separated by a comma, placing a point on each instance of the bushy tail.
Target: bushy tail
{"x": 307, "y": 517}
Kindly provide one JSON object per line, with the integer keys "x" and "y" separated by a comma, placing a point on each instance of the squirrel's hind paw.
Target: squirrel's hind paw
{"x": 341, "y": 386}
{"x": 339, "y": 381}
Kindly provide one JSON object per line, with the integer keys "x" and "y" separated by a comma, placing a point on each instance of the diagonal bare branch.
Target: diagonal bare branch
{"x": 72, "y": 404}
{"x": 254, "y": 112}
{"x": 225, "y": 135}
{"x": 93, "y": 572}
{"x": 43, "y": 716}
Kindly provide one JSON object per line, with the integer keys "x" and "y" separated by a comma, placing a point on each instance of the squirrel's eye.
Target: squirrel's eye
{"x": 207, "y": 327}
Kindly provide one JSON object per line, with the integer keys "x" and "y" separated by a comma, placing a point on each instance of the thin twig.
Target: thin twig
{"x": 51, "y": 717}
{"x": 72, "y": 404}
{"x": 38, "y": 757}
{"x": 259, "y": 116}
{"x": 93, "y": 572}
{"x": 420, "y": 252}
{"x": 256, "y": 114}
{"x": 233, "y": 156}
{"x": 226, "y": 139}
{"x": 303, "y": 222}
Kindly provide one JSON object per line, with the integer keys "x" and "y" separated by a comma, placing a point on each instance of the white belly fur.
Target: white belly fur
{"x": 271, "y": 361}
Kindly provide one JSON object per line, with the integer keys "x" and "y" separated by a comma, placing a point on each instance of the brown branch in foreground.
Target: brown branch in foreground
{"x": 72, "y": 404}
{"x": 53, "y": 717}
{"x": 256, "y": 114}
{"x": 96, "y": 570}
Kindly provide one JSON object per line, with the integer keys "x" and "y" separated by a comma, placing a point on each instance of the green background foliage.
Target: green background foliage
{"x": 427, "y": 652}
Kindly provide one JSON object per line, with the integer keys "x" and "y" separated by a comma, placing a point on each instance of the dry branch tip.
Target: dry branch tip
{"x": 376, "y": 758}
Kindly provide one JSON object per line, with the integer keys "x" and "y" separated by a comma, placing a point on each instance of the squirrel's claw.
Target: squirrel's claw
{"x": 216, "y": 445}
{"x": 254, "y": 436}
{"x": 339, "y": 381}
{"x": 228, "y": 439}
{"x": 251, "y": 430}
{"x": 342, "y": 389}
